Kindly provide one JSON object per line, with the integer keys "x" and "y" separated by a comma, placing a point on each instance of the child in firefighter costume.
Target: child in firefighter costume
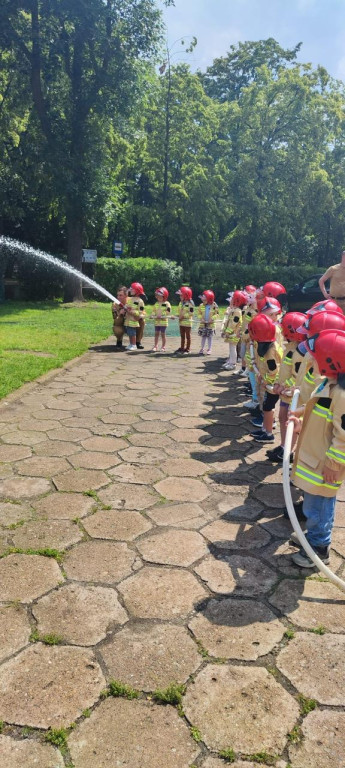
{"x": 185, "y": 318}
{"x": 287, "y": 375}
{"x": 268, "y": 356}
{"x": 135, "y": 314}
{"x": 207, "y": 313}
{"x": 119, "y": 312}
{"x": 160, "y": 315}
{"x": 232, "y": 326}
{"x": 319, "y": 465}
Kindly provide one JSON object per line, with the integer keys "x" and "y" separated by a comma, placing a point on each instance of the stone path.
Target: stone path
{"x": 144, "y": 543}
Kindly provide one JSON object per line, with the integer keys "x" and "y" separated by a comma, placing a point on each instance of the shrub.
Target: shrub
{"x": 223, "y": 277}
{"x": 152, "y": 273}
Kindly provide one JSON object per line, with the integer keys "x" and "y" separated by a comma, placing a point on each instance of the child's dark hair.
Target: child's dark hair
{"x": 341, "y": 380}
{"x": 123, "y": 289}
{"x": 263, "y": 347}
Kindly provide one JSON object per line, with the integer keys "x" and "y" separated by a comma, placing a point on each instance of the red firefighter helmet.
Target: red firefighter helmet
{"x": 328, "y": 348}
{"x": 291, "y": 322}
{"x": 261, "y": 302}
{"x": 270, "y": 303}
{"x": 262, "y": 328}
{"x": 273, "y": 289}
{"x": 327, "y": 305}
{"x": 185, "y": 293}
{"x": 239, "y": 299}
{"x": 163, "y": 292}
{"x": 209, "y": 296}
{"x": 138, "y": 289}
{"x": 324, "y": 321}
{"x": 250, "y": 289}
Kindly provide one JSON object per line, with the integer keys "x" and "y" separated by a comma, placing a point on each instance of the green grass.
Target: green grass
{"x": 117, "y": 689}
{"x": 307, "y": 705}
{"x": 228, "y": 755}
{"x": 170, "y": 695}
{"x": 62, "y": 331}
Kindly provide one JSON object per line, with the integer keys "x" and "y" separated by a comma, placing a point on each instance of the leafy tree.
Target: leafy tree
{"x": 82, "y": 61}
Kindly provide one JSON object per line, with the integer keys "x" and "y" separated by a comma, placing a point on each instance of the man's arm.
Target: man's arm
{"x": 322, "y": 281}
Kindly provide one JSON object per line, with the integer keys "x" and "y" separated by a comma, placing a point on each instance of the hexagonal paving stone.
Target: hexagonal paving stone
{"x": 104, "y": 444}
{"x": 35, "y": 425}
{"x": 179, "y": 515}
{"x": 68, "y": 434}
{"x": 133, "y": 733}
{"x": 271, "y": 495}
{"x": 94, "y": 460}
{"x": 80, "y": 615}
{"x": 130, "y": 473}
{"x": 161, "y": 593}
{"x": 24, "y": 438}
{"x": 142, "y": 455}
{"x": 11, "y": 513}
{"x": 237, "y": 629}
{"x": 81, "y": 480}
{"x": 130, "y": 497}
{"x": 323, "y": 743}
{"x": 65, "y": 506}
{"x": 243, "y": 575}
{"x": 104, "y": 562}
{"x": 182, "y": 489}
{"x": 213, "y": 762}
{"x": 314, "y": 664}
{"x": 185, "y": 468}
{"x": 47, "y": 687}
{"x": 119, "y": 418}
{"x": 156, "y": 415}
{"x": 338, "y": 540}
{"x": 25, "y": 577}
{"x": 57, "y": 448}
{"x": 240, "y": 706}
{"x": 188, "y": 435}
{"x": 10, "y": 453}
{"x": 150, "y": 656}
{"x": 28, "y": 754}
{"x": 153, "y": 427}
{"x": 238, "y": 507}
{"x": 39, "y": 466}
{"x": 226, "y": 535}
{"x": 146, "y": 441}
{"x": 173, "y": 547}
{"x": 23, "y": 487}
{"x": 311, "y": 604}
{"x": 14, "y": 630}
{"x": 53, "y": 534}
{"x": 118, "y": 525}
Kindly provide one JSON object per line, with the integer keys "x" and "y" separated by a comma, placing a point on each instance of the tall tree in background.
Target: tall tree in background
{"x": 82, "y": 59}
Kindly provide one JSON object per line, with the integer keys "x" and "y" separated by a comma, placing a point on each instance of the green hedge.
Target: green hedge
{"x": 222, "y": 277}
{"x": 152, "y": 273}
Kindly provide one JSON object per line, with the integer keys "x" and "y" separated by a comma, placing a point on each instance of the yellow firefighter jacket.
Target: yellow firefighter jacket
{"x": 322, "y": 440}
{"x": 161, "y": 313}
{"x": 269, "y": 364}
{"x": 232, "y": 324}
{"x": 211, "y": 322}
{"x": 185, "y": 313}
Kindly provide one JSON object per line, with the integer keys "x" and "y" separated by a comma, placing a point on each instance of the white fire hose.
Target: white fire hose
{"x": 290, "y": 507}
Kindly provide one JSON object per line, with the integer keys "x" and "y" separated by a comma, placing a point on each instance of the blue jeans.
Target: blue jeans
{"x": 252, "y": 381}
{"x": 319, "y": 511}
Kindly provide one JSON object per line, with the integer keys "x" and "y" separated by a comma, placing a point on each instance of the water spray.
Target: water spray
{"x": 27, "y": 250}
{"x": 290, "y": 507}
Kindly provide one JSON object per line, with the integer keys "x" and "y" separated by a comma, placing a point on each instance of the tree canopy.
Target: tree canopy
{"x": 243, "y": 163}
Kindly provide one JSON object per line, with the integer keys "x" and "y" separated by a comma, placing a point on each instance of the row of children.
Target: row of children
{"x": 129, "y": 317}
{"x": 280, "y": 354}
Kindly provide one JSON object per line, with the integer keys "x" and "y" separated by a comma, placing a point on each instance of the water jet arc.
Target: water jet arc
{"x": 15, "y": 246}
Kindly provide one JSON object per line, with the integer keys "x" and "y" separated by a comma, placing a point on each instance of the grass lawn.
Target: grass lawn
{"x": 57, "y": 330}
{"x": 63, "y": 331}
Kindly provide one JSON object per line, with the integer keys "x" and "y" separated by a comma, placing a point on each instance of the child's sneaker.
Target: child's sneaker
{"x": 186, "y": 351}
{"x": 229, "y": 367}
{"x": 162, "y": 349}
{"x": 154, "y": 349}
{"x": 276, "y": 454}
{"x": 257, "y": 432}
{"x": 201, "y": 352}
{"x": 131, "y": 348}
{"x": 179, "y": 351}
{"x": 302, "y": 559}
{"x": 209, "y": 352}
{"x": 225, "y": 364}
{"x": 251, "y": 405}
{"x": 264, "y": 438}
{"x": 257, "y": 421}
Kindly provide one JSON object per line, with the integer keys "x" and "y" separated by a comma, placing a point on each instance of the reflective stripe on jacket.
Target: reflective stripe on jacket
{"x": 322, "y": 441}
{"x": 185, "y": 313}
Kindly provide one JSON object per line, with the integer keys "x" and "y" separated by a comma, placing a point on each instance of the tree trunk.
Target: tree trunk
{"x": 73, "y": 286}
